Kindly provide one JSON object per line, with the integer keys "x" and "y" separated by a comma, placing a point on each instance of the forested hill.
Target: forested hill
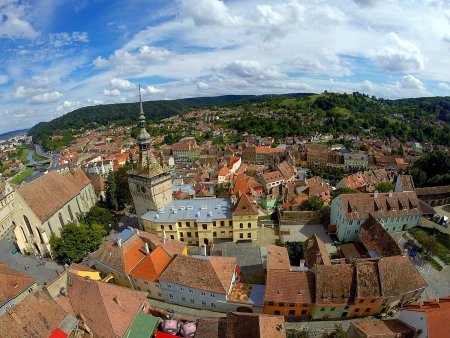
{"x": 417, "y": 119}
{"x": 127, "y": 113}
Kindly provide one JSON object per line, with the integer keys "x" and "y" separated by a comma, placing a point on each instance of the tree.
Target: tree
{"x": 314, "y": 203}
{"x": 385, "y": 187}
{"x": 123, "y": 194}
{"x": 295, "y": 252}
{"x": 111, "y": 192}
{"x": 339, "y": 332}
{"x": 98, "y": 215}
{"x": 430, "y": 244}
{"x": 344, "y": 190}
{"x": 76, "y": 241}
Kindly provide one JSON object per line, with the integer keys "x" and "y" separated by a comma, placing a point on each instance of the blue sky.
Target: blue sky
{"x": 59, "y": 55}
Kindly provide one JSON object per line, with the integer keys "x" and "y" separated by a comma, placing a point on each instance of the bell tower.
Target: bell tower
{"x": 150, "y": 184}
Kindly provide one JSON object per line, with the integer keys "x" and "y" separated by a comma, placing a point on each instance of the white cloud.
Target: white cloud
{"x": 365, "y": 3}
{"x": 22, "y": 91}
{"x": 122, "y": 84}
{"x": 250, "y": 71}
{"x": 368, "y": 86}
{"x": 3, "y": 79}
{"x": 19, "y": 115}
{"x": 398, "y": 55}
{"x": 326, "y": 62}
{"x": 68, "y": 105}
{"x": 45, "y": 98}
{"x": 202, "y": 85}
{"x": 66, "y": 38}
{"x": 208, "y": 12}
{"x": 123, "y": 59}
{"x": 113, "y": 92}
{"x": 40, "y": 81}
{"x": 13, "y": 23}
{"x": 152, "y": 90}
{"x": 444, "y": 85}
{"x": 411, "y": 82}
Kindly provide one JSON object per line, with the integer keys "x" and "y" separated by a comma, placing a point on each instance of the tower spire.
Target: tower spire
{"x": 140, "y": 103}
{"x": 143, "y": 137}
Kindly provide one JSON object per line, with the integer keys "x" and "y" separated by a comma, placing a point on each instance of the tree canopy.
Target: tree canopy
{"x": 314, "y": 203}
{"x": 431, "y": 169}
{"x": 385, "y": 187}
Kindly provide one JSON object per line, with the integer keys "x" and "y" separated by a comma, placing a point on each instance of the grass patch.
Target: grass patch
{"x": 38, "y": 158}
{"x": 432, "y": 262}
{"x": 22, "y": 175}
{"x": 442, "y": 245}
{"x": 23, "y": 155}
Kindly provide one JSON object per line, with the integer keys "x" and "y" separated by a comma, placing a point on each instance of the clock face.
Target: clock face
{"x": 143, "y": 189}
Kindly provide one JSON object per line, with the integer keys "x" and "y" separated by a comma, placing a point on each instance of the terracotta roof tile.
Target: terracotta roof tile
{"x": 277, "y": 258}
{"x": 244, "y": 207}
{"x": 107, "y": 309}
{"x": 174, "y": 247}
{"x": 48, "y": 193}
{"x": 377, "y": 241}
{"x": 213, "y": 274}
{"x": 383, "y": 328}
{"x": 316, "y": 252}
{"x": 398, "y": 275}
{"x": 251, "y": 325}
{"x": 290, "y": 287}
{"x": 12, "y": 283}
{"x": 367, "y": 281}
{"x": 335, "y": 284}
{"x": 152, "y": 265}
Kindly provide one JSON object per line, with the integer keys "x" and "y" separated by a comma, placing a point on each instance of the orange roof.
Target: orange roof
{"x": 437, "y": 313}
{"x": 267, "y": 150}
{"x": 224, "y": 171}
{"x": 152, "y": 265}
{"x": 133, "y": 255}
{"x": 244, "y": 207}
{"x": 241, "y": 184}
{"x": 277, "y": 258}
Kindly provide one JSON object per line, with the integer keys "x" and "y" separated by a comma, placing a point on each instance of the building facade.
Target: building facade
{"x": 6, "y": 209}
{"x": 44, "y": 206}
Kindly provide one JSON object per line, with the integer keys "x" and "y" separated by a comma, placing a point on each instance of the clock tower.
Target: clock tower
{"x": 150, "y": 184}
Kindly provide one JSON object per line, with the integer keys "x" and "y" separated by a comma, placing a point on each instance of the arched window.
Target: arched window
{"x": 170, "y": 226}
{"x": 27, "y": 223}
{"x": 23, "y": 233}
{"x": 70, "y": 213}
{"x": 249, "y": 224}
{"x": 61, "y": 220}
{"x": 40, "y": 236}
{"x": 50, "y": 227}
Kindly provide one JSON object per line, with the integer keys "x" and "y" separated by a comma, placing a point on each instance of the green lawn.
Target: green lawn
{"x": 38, "y": 158}
{"x": 443, "y": 243}
{"x": 23, "y": 175}
{"x": 23, "y": 155}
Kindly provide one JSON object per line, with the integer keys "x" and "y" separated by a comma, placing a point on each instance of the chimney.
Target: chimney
{"x": 146, "y": 249}
{"x": 137, "y": 232}
{"x": 119, "y": 241}
{"x": 116, "y": 301}
{"x": 375, "y": 194}
{"x": 390, "y": 193}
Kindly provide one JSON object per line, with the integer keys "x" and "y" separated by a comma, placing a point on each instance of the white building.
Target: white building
{"x": 395, "y": 211}
{"x": 199, "y": 282}
{"x": 6, "y": 208}
{"x": 100, "y": 167}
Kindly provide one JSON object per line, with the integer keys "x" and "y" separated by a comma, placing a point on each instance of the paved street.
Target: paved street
{"x": 43, "y": 274}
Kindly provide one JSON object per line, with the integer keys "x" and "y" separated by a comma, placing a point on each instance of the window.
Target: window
{"x": 292, "y": 312}
{"x": 291, "y": 305}
{"x": 162, "y": 227}
{"x": 27, "y": 223}
{"x": 222, "y": 223}
{"x": 213, "y": 305}
{"x": 333, "y": 308}
{"x": 50, "y": 227}
{"x": 204, "y": 303}
{"x": 212, "y": 295}
{"x": 192, "y": 300}
{"x": 367, "y": 310}
{"x": 183, "y": 299}
{"x": 70, "y": 213}
{"x": 249, "y": 235}
{"x": 188, "y": 224}
{"x": 276, "y": 312}
{"x": 170, "y": 295}
{"x": 180, "y": 225}
{"x": 356, "y": 231}
{"x": 361, "y": 301}
{"x": 190, "y": 290}
{"x": 372, "y": 301}
{"x": 189, "y": 234}
{"x": 281, "y": 304}
{"x": 241, "y": 225}
{"x": 304, "y": 312}
{"x": 230, "y": 223}
{"x": 169, "y": 286}
{"x": 322, "y": 309}
{"x": 146, "y": 283}
{"x": 214, "y": 234}
{"x": 172, "y": 237}
{"x": 271, "y": 304}
{"x": 203, "y": 294}
{"x": 305, "y": 305}
{"x": 170, "y": 226}
{"x": 196, "y": 234}
{"x": 181, "y": 288}
{"x": 181, "y": 234}
{"x": 231, "y": 234}
{"x": 241, "y": 235}
{"x": 347, "y": 307}
{"x": 205, "y": 226}
{"x": 356, "y": 310}
{"x": 249, "y": 225}
{"x": 214, "y": 223}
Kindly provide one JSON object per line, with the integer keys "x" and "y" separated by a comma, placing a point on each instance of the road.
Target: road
{"x": 43, "y": 274}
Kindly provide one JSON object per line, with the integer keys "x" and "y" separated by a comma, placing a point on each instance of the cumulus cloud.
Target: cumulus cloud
{"x": 45, "y": 98}
{"x": 367, "y": 86}
{"x": 22, "y": 91}
{"x": 250, "y": 71}
{"x": 202, "y": 85}
{"x": 327, "y": 62}
{"x": 208, "y": 12}
{"x": 398, "y": 55}
{"x": 13, "y": 22}
{"x": 122, "y": 84}
{"x": 68, "y": 105}
{"x": 123, "y": 59}
{"x": 113, "y": 92}
{"x": 411, "y": 82}
{"x": 152, "y": 90}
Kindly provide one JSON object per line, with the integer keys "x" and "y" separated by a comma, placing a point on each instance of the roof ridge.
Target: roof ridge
{"x": 97, "y": 283}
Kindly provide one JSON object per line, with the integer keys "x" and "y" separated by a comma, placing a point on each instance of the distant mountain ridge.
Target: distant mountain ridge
{"x": 127, "y": 113}
{"x": 12, "y": 133}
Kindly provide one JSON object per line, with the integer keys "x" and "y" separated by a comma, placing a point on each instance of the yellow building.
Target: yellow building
{"x": 201, "y": 221}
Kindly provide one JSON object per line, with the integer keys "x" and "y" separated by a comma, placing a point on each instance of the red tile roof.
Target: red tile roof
{"x": 244, "y": 207}
{"x": 334, "y": 284}
{"x": 152, "y": 265}
{"x": 12, "y": 283}
{"x": 316, "y": 252}
{"x": 277, "y": 258}
{"x": 290, "y": 287}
